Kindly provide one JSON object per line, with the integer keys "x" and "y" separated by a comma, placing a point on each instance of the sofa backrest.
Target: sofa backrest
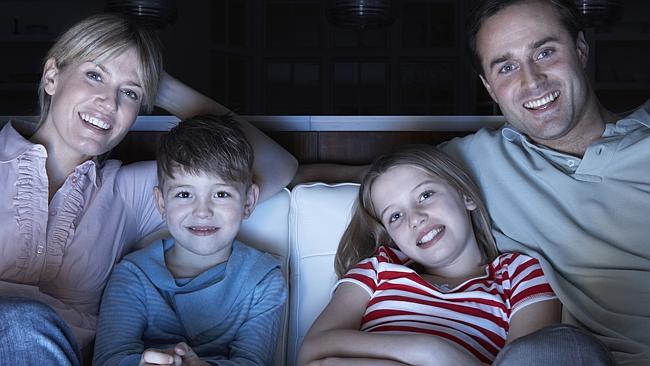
{"x": 267, "y": 229}
{"x": 318, "y": 216}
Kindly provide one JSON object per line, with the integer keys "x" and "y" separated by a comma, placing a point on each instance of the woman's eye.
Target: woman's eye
{"x": 183, "y": 195}
{"x": 425, "y": 195}
{"x": 93, "y": 76}
{"x": 223, "y": 194}
{"x": 130, "y": 94}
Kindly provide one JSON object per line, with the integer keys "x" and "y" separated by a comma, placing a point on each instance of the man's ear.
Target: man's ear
{"x": 582, "y": 48}
{"x": 159, "y": 199}
{"x": 50, "y": 72}
{"x": 489, "y": 89}
{"x": 251, "y": 200}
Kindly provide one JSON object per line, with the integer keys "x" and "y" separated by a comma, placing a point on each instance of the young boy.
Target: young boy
{"x": 200, "y": 297}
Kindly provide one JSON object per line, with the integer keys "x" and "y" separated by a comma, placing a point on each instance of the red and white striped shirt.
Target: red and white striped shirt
{"x": 476, "y": 314}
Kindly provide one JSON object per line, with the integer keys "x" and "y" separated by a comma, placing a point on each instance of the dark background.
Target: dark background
{"x": 282, "y": 57}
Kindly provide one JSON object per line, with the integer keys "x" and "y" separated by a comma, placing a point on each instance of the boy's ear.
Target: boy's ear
{"x": 251, "y": 200}
{"x": 159, "y": 199}
{"x": 49, "y": 78}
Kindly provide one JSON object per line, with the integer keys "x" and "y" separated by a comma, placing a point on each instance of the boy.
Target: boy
{"x": 199, "y": 297}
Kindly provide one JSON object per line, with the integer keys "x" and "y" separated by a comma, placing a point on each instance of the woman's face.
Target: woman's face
{"x": 93, "y": 104}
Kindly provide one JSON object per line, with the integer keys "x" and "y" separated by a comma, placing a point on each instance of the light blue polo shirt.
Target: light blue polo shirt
{"x": 587, "y": 220}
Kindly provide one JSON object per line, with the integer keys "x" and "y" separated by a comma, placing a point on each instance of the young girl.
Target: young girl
{"x": 421, "y": 281}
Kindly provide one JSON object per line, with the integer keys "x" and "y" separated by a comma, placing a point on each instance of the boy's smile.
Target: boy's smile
{"x": 203, "y": 214}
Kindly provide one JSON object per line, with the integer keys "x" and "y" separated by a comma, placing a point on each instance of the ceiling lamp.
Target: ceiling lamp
{"x": 597, "y": 13}
{"x": 361, "y": 13}
{"x": 152, "y": 13}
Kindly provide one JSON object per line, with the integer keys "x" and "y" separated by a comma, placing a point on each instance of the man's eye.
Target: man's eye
{"x": 223, "y": 194}
{"x": 183, "y": 195}
{"x": 506, "y": 68}
{"x": 93, "y": 76}
{"x": 130, "y": 93}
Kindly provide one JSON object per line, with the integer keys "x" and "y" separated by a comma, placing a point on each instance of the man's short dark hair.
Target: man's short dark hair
{"x": 565, "y": 9}
{"x": 209, "y": 144}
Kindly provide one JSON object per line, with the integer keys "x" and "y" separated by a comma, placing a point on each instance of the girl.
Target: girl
{"x": 69, "y": 215}
{"x": 420, "y": 278}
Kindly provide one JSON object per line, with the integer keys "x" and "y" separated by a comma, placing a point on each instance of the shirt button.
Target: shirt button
{"x": 53, "y": 212}
{"x": 74, "y": 179}
{"x": 571, "y": 163}
{"x": 40, "y": 249}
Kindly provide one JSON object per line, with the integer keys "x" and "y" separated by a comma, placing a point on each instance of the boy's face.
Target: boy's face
{"x": 204, "y": 213}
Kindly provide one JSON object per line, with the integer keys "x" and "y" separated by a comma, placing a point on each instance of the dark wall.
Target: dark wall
{"x": 283, "y": 57}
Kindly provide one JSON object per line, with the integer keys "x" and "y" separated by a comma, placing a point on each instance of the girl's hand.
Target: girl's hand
{"x": 153, "y": 356}
{"x": 189, "y": 357}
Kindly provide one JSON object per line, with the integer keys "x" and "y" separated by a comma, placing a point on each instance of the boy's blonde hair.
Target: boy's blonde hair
{"x": 101, "y": 37}
{"x": 365, "y": 232}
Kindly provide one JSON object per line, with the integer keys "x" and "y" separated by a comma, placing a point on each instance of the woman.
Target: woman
{"x": 68, "y": 217}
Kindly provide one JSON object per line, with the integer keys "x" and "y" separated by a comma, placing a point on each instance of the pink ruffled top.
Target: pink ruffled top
{"x": 62, "y": 252}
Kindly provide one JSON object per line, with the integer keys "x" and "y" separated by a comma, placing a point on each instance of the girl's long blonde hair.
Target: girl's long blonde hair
{"x": 365, "y": 232}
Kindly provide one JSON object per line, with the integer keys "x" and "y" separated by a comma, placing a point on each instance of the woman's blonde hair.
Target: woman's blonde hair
{"x": 101, "y": 37}
{"x": 365, "y": 231}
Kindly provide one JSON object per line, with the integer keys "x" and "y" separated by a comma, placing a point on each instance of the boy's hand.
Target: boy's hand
{"x": 190, "y": 358}
{"x": 153, "y": 356}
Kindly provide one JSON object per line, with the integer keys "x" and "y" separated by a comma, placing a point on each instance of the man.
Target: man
{"x": 566, "y": 180}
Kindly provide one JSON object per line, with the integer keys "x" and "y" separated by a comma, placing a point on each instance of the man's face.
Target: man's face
{"x": 534, "y": 70}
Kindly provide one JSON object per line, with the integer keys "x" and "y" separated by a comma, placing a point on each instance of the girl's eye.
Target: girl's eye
{"x": 130, "y": 94}
{"x": 183, "y": 195}
{"x": 93, "y": 76}
{"x": 425, "y": 195}
{"x": 394, "y": 217}
{"x": 223, "y": 194}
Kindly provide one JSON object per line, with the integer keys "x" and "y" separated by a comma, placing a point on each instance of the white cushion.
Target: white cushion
{"x": 318, "y": 216}
{"x": 267, "y": 229}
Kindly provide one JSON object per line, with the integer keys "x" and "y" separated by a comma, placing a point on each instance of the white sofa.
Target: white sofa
{"x": 302, "y": 228}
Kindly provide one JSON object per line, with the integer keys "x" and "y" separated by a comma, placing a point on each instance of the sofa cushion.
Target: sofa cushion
{"x": 318, "y": 216}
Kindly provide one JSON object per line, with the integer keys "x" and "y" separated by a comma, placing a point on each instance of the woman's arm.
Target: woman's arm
{"x": 534, "y": 317}
{"x": 335, "y": 336}
{"x": 274, "y": 167}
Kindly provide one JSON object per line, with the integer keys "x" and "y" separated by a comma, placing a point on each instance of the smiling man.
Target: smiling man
{"x": 565, "y": 180}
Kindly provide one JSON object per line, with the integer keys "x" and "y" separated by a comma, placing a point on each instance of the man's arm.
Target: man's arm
{"x": 274, "y": 167}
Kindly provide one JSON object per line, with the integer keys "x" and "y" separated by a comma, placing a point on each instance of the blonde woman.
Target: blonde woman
{"x": 68, "y": 216}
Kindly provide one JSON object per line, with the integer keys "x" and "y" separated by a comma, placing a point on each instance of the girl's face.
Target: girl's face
{"x": 93, "y": 104}
{"x": 427, "y": 218}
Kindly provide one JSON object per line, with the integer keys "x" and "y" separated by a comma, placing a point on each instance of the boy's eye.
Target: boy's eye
{"x": 93, "y": 76}
{"x": 545, "y": 53}
{"x": 223, "y": 194}
{"x": 183, "y": 195}
{"x": 130, "y": 94}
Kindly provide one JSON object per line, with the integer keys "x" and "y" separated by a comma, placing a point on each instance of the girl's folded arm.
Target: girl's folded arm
{"x": 335, "y": 335}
